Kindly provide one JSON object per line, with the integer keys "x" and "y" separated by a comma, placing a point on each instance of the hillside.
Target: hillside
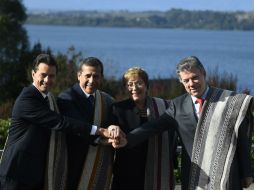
{"x": 174, "y": 18}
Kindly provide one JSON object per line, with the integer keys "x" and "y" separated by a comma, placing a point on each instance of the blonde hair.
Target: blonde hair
{"x": 136, "y": 72}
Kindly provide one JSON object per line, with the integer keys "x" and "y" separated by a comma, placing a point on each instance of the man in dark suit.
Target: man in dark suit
{"x": 88, "y": 162}
{"x": 215, "y": 139}
{"x": 24, "y": 159}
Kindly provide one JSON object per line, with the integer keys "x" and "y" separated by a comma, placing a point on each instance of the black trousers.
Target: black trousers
{"x": 10, "y": 184}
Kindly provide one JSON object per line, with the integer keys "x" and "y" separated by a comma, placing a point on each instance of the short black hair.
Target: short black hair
{"x": 44, "y": 58}
{"x": 91, "y": 61}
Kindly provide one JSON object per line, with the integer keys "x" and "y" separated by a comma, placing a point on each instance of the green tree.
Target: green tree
{"x": 13, "y": 49}
{"x": 67, "y": 69}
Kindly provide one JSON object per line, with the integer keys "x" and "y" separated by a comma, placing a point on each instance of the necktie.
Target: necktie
{"x": 200, "y": 101}
{"x": 47, "y": 100}
{"x": 91, "y": 100}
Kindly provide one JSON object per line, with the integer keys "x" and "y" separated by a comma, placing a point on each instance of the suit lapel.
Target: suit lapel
{"x": 36, "y": 92}
{"x": 81, "y": 100}
{"x": 132, "y": 115}
{"x": 190, "y": 110}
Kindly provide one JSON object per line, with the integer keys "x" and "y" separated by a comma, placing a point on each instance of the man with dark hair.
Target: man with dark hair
{"x": 89, "y": 163}
{"x": 214, "y": 126}
{"x": 24, "y": 163}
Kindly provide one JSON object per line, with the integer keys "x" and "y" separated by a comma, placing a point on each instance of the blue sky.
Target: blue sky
{"x": 140, "y": 5}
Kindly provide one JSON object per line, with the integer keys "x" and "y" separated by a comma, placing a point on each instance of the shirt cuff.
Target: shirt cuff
{"x": 97, "y": 140}
{"x": 94, "y": 129}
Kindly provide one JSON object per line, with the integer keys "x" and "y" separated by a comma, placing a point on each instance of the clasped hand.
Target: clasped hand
{"x": 113, "y": 135}
{"x": 120, "y": 140}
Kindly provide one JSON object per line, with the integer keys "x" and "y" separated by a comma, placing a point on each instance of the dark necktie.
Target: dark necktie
{"x": 47, "y": 100}
{"x": 91, "y": 100}
{"x": 200, "y": 101}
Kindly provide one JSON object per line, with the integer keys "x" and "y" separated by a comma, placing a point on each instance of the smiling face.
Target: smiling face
{"x": 193, "y": 81}
{"x": 90, "y": 78}
{"x": 44, "y": 77}
{"x": 137, "y": 89}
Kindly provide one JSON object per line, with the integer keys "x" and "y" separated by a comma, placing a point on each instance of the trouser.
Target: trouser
{"x": 11, "y": 184}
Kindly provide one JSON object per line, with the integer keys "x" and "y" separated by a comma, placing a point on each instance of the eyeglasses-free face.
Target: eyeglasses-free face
{"x": 193, "y": 81}
{"x": 90, "y": 78}
{"x": 44, "y": 77}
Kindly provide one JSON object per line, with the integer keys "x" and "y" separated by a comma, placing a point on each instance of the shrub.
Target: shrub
{"x": 4, "y": 126}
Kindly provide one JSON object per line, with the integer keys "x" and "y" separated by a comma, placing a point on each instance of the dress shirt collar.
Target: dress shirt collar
{"x": 87, "y": 95}
{"x": 42, "y": 93}
{"x": 203, "y": 96}
{"x": 197, "y": 106}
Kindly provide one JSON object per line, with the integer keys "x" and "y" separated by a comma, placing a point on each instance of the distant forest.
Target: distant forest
{"x": 174, "y": 18}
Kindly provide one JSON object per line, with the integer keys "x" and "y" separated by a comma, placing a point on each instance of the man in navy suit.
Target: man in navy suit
{"x": 215, "y": 139}
{"x": 24, "y": 159}
{"x": 88, "y": 162}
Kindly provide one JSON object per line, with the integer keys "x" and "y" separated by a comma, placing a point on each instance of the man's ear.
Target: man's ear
{"x": 78, "y": 74}
{"x": 32, "y": 73}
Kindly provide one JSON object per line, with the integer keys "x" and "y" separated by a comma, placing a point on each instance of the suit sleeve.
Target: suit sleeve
{"x": 68, "y": 107}
{"x": 35, "y": 111}
{"x": 244, "y": 146}
{"x": 151, "y": 128}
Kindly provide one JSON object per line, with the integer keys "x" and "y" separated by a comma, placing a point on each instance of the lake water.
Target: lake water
{"x": 156, "y": 50}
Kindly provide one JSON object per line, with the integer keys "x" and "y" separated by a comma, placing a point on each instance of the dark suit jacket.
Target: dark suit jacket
{"x": 74, "y": 103}
{"x": 24, "y": 157}
{"x": 181, "y": 115}
{"x": 129, "y": 165}
{"x": 130, "y": 162}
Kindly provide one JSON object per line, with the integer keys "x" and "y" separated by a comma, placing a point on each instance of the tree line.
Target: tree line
{"x": 174, "y": 18}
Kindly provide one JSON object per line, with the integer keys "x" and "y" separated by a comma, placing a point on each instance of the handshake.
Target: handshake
{"x": 112, "y": 135}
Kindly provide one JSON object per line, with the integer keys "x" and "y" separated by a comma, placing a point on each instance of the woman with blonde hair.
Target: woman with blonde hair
{"x": 148, "y": 165}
